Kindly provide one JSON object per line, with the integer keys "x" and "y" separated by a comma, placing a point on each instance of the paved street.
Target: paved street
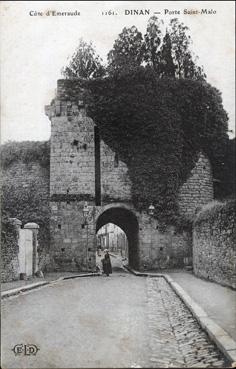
{"x": 116, "y": 321}
{"x": 84, "y": 322}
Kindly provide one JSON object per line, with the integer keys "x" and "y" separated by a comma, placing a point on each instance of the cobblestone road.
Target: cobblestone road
{"x": 176, "y": 339}
{"x": 100, "y": 322}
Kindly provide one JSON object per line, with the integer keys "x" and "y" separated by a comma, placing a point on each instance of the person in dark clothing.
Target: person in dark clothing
{"x": 106, "y": 263}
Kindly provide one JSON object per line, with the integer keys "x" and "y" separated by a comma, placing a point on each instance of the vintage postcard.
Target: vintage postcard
{"x": 118, "y": 184}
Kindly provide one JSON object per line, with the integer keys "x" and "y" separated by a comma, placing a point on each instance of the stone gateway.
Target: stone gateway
{"x": 90, "y": 187}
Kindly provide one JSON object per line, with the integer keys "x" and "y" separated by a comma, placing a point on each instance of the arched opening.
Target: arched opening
{"x": 128, "y": 222}
{"x": 114, "y": 239}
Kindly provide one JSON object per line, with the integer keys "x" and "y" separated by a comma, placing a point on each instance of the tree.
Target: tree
{"x": 127, "y": 51}
{"x": 183, "y": 57}
{"x": 166, "y": 64}
{"x": 85, "y": 63}
{"x": 169, "y": 53}
{"x": 152, "y": 41}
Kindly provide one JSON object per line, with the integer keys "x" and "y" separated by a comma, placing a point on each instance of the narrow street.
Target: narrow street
{"x": 98, "y": 322}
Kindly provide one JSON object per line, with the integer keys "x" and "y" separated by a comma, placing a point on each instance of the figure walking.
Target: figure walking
{"x": 106, "y": 263}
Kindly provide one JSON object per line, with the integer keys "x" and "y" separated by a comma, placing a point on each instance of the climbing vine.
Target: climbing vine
{"x": 157, "y": 127}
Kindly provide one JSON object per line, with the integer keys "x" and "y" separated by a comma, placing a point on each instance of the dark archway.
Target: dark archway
{"x": 128, "y": 222}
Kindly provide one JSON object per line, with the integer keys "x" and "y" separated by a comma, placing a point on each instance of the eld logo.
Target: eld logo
{"x": 26, "y": 350}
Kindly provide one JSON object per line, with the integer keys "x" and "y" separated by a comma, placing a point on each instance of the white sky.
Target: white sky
{"x": 34, "y": 49}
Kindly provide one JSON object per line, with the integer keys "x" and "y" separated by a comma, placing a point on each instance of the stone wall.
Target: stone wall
{"x": 198, "y": 189}
{"x": 214, "y": 243}
{"x": 9, "y": 267}
{"x": 24, "y": 174}
{"x": 115, "y": 182}
{"x": 72, "y": 241}
{"x": 162, "y": 249}
{"x": 72, "y": 167}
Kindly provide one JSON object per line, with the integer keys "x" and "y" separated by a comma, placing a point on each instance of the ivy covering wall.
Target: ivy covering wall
{"x": 9, "y": 249}
{"x": 25, "y": 152}
{"x": 25, "y": 184}
{"x": 214, "y": 243}
{"x": 157, "y": 127}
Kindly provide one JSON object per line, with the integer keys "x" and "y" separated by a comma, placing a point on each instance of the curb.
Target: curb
{"x": 81, "y": 276}
{"x": 32, "y": 286}
{"x": 219, "y": 336}
{"x": 138, "y": 274}
{"x": 142, "y": 274}
{"x": 18, "y": 290}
